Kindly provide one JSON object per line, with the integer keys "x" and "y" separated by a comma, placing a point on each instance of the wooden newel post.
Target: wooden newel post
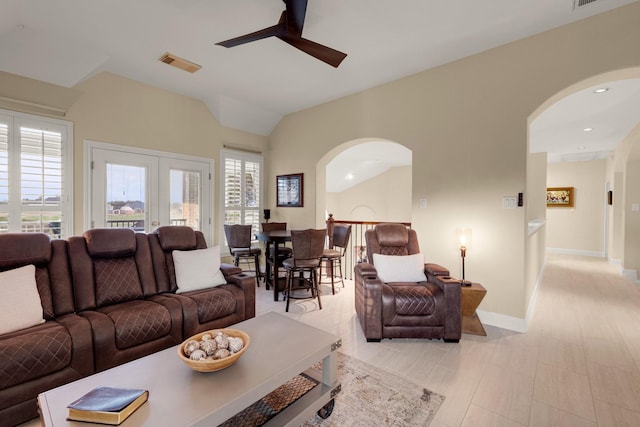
{"x": 330, "y": 222}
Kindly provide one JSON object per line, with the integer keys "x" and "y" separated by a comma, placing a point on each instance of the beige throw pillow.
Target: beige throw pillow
{"x": 405, "y": 268}
{"x": 198, "y": 269}
{"x": 20, "y": 305}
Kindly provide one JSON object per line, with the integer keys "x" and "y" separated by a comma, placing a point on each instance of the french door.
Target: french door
{"x": 142, "y": 189}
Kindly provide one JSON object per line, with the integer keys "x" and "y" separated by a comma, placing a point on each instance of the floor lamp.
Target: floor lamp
{"x": 463, "y": 240}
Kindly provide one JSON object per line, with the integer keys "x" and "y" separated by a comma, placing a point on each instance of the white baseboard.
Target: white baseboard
{"x": 597, "y": 254}
{"x": 512, "y": 323}
{"x": 502, "y": 321}
{"x": 631, "y": 275}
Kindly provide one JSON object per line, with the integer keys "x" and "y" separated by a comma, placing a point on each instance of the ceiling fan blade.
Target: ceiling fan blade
{"x": 277, "y": 30}
{"x": 296, "y": 11}
{"x": 323, "y": 53}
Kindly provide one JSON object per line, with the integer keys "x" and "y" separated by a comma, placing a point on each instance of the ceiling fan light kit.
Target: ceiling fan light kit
{"x": 289, "y": 30}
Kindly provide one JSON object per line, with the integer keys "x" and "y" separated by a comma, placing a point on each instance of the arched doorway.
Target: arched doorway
{"x": 608, "y": 232}
{"x": 367, "y": 179}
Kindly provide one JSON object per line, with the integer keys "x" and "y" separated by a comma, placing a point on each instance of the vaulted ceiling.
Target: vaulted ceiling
{"x": 252, "y": 86}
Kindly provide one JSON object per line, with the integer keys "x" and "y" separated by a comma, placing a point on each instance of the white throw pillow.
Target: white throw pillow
{"x": 20, "y": 305}
{"x": 405, "y": 268}
{"x": 198, "y": 269}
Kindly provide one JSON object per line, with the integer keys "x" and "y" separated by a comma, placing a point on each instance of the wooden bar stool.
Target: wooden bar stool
{"x": 308, "y": 246}
{"x": 239, "y": 242}
{"x": 332, "y": 257}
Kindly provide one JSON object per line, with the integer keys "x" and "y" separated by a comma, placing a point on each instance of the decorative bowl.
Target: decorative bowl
{"x": 210, "y": 365}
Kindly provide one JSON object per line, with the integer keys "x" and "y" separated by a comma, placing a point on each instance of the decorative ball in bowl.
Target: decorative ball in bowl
{"x": 213, "y": 350}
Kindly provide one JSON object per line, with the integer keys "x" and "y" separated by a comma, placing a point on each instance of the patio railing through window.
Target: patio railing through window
{"x": 138, "y": 224}
{"x": 357, "y": 250}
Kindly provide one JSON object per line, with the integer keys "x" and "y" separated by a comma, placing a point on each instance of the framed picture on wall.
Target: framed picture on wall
{"x": 290, "y": 190}
{"x": 560, "y": 197}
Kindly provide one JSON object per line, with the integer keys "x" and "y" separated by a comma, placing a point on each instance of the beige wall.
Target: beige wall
{"x": 117, "y": 110}
{"x": 535, "y": 196}
{"x": 466, "y": 123}
{"x": 622, "y": 170}
{"x": 581, "y": 228}
{"x": 386, "y": 197}
{"x": 631, "y": 260}
{"x": 535, "y": 208}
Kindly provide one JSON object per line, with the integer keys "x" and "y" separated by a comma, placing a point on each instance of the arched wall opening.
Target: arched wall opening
{"x": 381, "y": 187}
{"x": 612, "y": 235}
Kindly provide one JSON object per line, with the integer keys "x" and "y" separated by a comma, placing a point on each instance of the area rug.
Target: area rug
{"x": 373, "y": 397}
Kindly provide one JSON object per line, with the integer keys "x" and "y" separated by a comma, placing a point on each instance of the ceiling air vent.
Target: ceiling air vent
{"x": 176, "y": 61}
{"x": 580, "y": 3}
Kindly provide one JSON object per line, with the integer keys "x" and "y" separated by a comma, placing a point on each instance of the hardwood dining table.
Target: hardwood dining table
{"x": 275, "y": 238}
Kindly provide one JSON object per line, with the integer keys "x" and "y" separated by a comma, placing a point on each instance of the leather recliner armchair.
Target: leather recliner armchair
{"x": 425, "y": 309}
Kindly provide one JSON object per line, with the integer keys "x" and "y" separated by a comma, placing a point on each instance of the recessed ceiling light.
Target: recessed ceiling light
{"x": 587, "y": 129}
{"x": 349, "y": 176}
{"x": 601, "y": 90}
{"x": 581, "y": 147}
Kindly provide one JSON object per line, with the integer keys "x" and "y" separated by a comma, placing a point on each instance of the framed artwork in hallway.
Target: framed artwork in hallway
{"x": 560, "y": 197}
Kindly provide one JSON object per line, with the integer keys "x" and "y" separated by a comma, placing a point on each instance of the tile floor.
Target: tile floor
{"x": 578, "y": 365}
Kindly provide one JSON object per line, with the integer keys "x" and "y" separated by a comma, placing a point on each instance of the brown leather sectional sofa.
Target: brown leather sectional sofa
{"x": 108, "y": 297}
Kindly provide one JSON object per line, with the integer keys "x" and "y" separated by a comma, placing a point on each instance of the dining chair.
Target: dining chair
{"x": 308, "y": 246}
{"x": 239, "y": 242}
{"x": 332, "y": 257}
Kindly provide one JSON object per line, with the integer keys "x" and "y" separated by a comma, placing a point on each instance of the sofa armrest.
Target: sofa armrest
{"x": 247, "y": 283}
{"x": 453, "y": 303}
{"x": 435, "y": 270}
{"x": 364, "y": 269}
{"x": 82, "y": 357}
{"x": 368, "y": 300}
{"x": 229, "y": 270}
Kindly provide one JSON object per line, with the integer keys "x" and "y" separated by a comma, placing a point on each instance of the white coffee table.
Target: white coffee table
{"x": 281, "y": 349}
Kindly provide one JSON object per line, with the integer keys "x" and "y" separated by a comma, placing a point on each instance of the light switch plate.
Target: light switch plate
{"x": 509, "y": 202}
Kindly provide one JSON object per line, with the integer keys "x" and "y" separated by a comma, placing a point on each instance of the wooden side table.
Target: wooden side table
{"x": 471, "y": 298}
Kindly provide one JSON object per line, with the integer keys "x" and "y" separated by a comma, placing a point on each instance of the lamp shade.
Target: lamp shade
{"x": 463, "y": 237}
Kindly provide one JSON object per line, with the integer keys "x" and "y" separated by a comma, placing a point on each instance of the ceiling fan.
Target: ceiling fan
{"x": 289, "y": 30}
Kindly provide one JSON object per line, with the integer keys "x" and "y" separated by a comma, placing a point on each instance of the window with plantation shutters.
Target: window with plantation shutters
{"x": 242, "y": 188}
{"x": 35, "y": 174}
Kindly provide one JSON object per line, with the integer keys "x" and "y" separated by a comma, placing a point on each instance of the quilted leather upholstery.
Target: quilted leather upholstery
{"x": 107, "y": 277}
{"x": 394, "y": 250}
{"x": 413, "y": 300}
{"x": 214, "y": 304}
{"x": 429, "y": 309}
{"x": 138, "y": 322}
{"x": 126, "y": 321}
{"x": 116, "y": 281}
{"x": 31, "y": 355}
{"x": 50, "y": 354}
{"x": 204, "y": 309}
